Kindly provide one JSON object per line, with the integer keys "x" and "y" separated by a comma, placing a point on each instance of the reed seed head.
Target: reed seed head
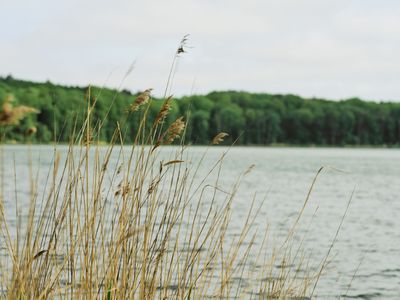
{"x": 10, "y": 115}
{"x": 174, "y": 130}
{"x": 219, "y": 138}
{"x": 182, "y": 45}
{"x": 31, "y": 131}
{"x": 141, "y": 99}
{"x": 165, "y": 108}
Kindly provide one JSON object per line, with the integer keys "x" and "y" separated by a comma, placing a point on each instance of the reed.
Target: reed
{"x": 126, "y": 222}
{"x": 117, "y": 222}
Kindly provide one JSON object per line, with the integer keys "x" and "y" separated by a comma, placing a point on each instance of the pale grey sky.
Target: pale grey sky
{"x": 327, "y": 48}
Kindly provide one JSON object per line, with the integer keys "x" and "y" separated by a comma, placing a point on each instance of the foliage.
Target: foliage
{"x": 258, "y": 119}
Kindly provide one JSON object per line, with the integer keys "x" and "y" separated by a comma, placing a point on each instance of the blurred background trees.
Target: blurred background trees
{"x": 251, "y": 119}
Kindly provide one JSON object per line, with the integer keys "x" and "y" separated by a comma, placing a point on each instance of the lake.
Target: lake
{"x": 364, "y": 261}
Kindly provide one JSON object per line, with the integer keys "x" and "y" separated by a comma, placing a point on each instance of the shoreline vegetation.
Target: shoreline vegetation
{"x": 139, "y": 227}
{"x": 103, "y": 143}
{"x": 251, "y": 119}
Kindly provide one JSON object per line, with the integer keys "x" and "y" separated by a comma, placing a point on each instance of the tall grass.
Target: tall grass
{"x": 122, "y": 222}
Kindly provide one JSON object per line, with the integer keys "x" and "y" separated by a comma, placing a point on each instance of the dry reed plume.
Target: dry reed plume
{"x": 141, "y": 99}
{"x": 10, "y": 115}
{"x": 174, "y": 130}
{"x": 165, "y": 108}
{"x": 219, "y": 138}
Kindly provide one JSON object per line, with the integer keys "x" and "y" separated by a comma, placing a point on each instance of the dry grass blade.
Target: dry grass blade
{"x": 249, "y": 169}
{"x": 171, "y": 162}
{"x": 40, "y": 253}
{"x": 130, "y": 235}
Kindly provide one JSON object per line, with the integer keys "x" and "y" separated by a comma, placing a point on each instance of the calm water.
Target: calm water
{"x": 368, "y": 244}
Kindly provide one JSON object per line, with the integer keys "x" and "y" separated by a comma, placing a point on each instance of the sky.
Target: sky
{"x": 334, "y": 49}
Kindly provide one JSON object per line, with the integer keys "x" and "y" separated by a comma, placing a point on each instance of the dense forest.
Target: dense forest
{"x": 250, "y": 119}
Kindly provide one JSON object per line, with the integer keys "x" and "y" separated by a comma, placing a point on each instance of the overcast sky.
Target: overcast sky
{"x": 325, "y": 48}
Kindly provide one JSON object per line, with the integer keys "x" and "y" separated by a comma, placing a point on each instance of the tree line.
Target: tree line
{"x": 249, "y": 118}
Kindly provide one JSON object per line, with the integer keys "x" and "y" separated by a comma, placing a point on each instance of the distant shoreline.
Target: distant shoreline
{"x": 103, "y": 144}
{"x": 249, "y": 118}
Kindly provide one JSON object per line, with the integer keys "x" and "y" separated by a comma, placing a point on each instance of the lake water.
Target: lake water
{"x": 364, "y": 262}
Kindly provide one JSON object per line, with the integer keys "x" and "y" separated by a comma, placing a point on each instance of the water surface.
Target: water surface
{"x": 365, "y": 259}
